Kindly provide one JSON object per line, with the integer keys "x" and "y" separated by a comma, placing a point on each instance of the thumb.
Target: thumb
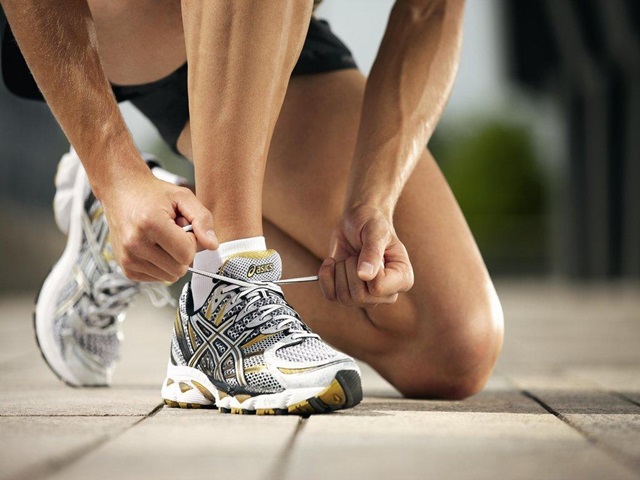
{"x": 374, "y": 243}
{"x": 201, "y": 220}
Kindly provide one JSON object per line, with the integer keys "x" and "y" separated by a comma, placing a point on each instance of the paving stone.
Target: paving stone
{"x": 624, "y": 380}
{"x": 34, "y": 447}
{"x": 447, "y": 444}
{"x": 16, "y": 338}
{"x": 178, "y": 443}
{"x": 610, "y": 421}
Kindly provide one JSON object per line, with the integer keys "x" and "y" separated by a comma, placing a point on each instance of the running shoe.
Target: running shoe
{"x": 81, "y": 304}
{"x": 247, "y": 351}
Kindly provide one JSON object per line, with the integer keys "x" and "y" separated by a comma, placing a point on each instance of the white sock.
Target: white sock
{"x": 212, "y": 260}
{"x": 161, "y": 173}
{"x": 167, "y": 176}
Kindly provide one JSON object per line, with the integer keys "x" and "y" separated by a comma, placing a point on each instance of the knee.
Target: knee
{"x": 457, "y": 362}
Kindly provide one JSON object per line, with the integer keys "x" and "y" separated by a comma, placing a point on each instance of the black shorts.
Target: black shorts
{"x": 165, "y": 102}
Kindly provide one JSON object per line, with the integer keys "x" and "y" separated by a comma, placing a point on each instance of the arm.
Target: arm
{"x": 58, "y": 41}
{"x": 405, "y": 95}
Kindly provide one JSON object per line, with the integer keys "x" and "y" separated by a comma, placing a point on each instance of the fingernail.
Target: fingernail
{"x": 326, "y": 262}
{"x": 366, "y": 268}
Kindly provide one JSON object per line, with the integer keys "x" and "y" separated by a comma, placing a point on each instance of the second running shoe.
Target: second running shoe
{"x": 247, "y": 351}
{"x": 81, "y": 303}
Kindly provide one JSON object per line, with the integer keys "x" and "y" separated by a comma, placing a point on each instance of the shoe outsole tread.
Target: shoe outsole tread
{"x": 345, "y": 391}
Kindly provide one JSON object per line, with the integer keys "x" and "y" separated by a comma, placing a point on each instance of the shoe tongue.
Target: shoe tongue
{"x": 264, "y": 266}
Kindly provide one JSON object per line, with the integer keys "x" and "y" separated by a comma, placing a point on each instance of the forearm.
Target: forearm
{"x": 59, "y": 44}
{"x": 405, "y": 95}
{"x": 240, "y": 56}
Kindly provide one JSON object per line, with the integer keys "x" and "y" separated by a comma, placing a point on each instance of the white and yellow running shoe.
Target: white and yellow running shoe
{"x": 247, "y": 351}
{"x": 82, "y": 300}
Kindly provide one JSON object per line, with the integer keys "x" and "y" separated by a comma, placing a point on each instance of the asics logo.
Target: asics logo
{"x": 259, "y": 269}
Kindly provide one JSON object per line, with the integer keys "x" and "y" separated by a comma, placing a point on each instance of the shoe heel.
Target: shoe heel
{"x": 186, "y": 392}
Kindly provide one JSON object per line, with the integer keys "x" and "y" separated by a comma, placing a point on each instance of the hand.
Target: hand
{"x": 145, "y": 218}
{"x": 369, "y": 264}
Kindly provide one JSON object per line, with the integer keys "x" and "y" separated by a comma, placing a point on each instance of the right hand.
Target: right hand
{"x": 144, "y": 218}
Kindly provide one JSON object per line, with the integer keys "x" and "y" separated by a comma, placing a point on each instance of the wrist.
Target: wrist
{"x": 376, "y": 177}
{"x": 373, "y": 200}
{"x": 368, "y": 209}
{"x": 114, "y": 175}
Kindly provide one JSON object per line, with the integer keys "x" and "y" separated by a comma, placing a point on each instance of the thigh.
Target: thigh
{"x": 140, "y": 41}
{"x": 452, "y": 302}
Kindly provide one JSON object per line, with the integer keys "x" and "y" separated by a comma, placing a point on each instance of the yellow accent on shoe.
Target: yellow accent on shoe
{"x": 204, "y": 391}
{"x": 184, "y": 387}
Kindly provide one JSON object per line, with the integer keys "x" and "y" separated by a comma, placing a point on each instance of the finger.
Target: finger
{"x": 327, "y": 280}
{"x": 177, "y": 243}
{"x": 375, "y": 238}
{"x": 396, "y": 275}
{"x": 201, "y": 219}
{"x": 357, "y": 288}
{"x": 181, "y": 221}
{"x": 342, "y": 285}
{"x": 160, "y": 258}
{"x": 140, "y": 277}
{"x": 391, "y": 280}
{"x": 144, "y": 271}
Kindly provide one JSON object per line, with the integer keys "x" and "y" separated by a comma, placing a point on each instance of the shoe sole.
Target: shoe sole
{"x": 192, "y": 389}
{"x": 51, "y": 286}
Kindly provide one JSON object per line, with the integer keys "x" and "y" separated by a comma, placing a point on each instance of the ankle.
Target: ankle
{"x": 212, "y": 260}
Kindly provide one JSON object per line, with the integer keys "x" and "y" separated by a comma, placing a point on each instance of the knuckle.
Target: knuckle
{"x": 185, "y": 257}
{"x": 371, "y": 247}
{"x": 130, "y": 242}
{"x": 376, "y": 289}
{"x": 126, "y": 262}
{"x": 410, "y": 283}
{"x": 184, "y": 192}
{"x": 410, "y": 279}
{"x": 327, "y": 290}
{"x": 343, "y": 297}
{"x": 207, "y": 217}
{"x": 389, "y": 299}
{"x": 145, "y": 222}
{"x": 131, "y": 275}
{"x": 361, "y": 296}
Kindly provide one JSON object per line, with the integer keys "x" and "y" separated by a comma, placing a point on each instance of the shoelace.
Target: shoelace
{"x": 112, "y": 292}
{"x": 253, "y": 292}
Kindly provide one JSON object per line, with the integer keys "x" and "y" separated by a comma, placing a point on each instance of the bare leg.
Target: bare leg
{"x": 139, "y": 41}
{"x": 240, "y": 56}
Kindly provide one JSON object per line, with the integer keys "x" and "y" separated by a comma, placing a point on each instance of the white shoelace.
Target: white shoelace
{"x": 253, "y": 293}
{"x": 112, "y": 293}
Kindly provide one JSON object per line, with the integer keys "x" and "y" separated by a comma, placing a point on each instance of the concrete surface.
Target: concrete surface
{"x": 564, "y": 403}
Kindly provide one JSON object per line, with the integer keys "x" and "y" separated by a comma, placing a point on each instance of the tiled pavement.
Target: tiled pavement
{"x": 564, "y": 403}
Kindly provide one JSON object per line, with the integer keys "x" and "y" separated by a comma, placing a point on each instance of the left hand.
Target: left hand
{"x": 369, "y": 264}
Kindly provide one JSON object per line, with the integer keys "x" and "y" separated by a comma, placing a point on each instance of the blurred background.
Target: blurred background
{"x": 540, "y": 141}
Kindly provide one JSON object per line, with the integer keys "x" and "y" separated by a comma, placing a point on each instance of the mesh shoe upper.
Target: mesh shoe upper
{"x": 83, "y": 298}
{"x": 91, "y": 303}
{"x": 246, "y": 338}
